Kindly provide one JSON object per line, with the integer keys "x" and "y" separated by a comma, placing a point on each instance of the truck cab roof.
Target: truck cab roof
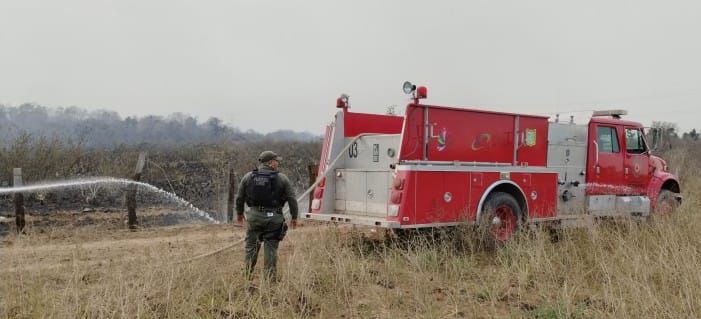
{"x": 612, "y": 121}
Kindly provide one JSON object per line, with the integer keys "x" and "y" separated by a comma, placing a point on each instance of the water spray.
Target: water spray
{"x": 107, "y": 180}
{"x": 176, "y": 198}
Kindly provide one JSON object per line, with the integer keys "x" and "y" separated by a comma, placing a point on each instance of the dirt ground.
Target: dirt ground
{"x": 101, "y": 238}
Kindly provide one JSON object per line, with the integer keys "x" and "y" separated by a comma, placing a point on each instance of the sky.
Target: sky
{"x": 271, "y": 65}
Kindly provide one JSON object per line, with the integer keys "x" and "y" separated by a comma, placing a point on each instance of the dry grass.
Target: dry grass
{"x": 624, "y": 269}
{"x": 617, "y": 270}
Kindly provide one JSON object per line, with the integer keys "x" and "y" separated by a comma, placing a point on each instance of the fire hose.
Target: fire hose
{"x": 306, "y": 193}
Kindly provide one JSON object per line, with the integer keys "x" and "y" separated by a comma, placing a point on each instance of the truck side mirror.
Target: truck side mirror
{"x": 656, "y": 133}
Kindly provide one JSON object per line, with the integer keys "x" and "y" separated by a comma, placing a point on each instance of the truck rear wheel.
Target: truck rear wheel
{"x": 666, "y": 203}
{"x": 500, "y": 219}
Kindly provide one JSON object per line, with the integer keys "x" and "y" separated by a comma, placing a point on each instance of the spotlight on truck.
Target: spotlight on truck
{"x": 417, "y": 92}
{"x": 408, "y": 87}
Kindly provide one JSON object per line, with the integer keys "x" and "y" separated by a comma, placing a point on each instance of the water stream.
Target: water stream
{"x": 110, "y": 181}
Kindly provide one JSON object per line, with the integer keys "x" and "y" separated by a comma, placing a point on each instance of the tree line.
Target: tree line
{"x": 104, "y": 128}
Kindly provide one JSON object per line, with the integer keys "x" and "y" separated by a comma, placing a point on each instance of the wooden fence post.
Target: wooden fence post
{"x": 230, "y": 200}
{"x": 313, "y": 169}
{"x": 18, "y": 199}
{"x": 131, "y": 191}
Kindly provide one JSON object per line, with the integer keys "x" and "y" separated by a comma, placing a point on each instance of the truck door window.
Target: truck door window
{"x": 634, "y": 141}
{"x": 607, "y": 139}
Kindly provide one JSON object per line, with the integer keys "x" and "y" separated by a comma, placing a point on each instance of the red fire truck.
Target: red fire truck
{"x": 443, "y": 166}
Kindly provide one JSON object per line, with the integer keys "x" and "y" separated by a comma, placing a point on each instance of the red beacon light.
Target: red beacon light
{"x": 420, "y": 92}
{"x": 342, "y": 102}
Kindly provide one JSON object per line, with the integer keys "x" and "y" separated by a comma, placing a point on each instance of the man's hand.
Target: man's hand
{"x": 239, "y": 220}
{"x": 293, "y": 224}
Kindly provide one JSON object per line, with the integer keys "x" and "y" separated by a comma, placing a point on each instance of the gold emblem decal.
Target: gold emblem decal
{"x": 481, "y": 141}
{"x": 530, "y": 137}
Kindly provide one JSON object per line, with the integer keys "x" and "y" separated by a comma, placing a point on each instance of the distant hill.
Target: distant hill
{"x": 105, "y": 128}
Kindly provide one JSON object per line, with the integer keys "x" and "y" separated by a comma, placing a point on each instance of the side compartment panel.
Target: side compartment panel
{"x": 474, "y": 136}
{"x": 567, "y": 155}
{"x": 454, "y": 196}
{"x": 362, "y": 192}
{"x": 539, "y": 190}
{"x": 470, "y": 136}
{"x": 541, "y": 193}
{"x": 441, "y": 197}
{"x": 355, "y": 191}
{"x": 455, "y": 203}
{"x": 479, "y": 183}
{"x": 612, "y": 205}
{"x": 533, "y": 141}
{"x": 428, "y": 192}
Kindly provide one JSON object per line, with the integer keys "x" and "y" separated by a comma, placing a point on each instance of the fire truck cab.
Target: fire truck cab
{"x": 445, "y": 166}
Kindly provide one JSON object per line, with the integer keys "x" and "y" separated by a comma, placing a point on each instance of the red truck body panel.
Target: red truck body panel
{"x": 473, "y": 136}
{"x": 359, "y": 123}
{"x": 450, "y": 160}
{"x": 619, "y": 172}
{"x": 423, "y": 200}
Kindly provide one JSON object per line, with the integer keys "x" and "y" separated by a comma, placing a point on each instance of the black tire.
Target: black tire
{"x": 666, "y": 203}
{"x": 501, "y": 218}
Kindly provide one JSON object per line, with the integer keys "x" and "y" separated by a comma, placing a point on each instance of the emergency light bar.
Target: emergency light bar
{"x": 613, "y": 113}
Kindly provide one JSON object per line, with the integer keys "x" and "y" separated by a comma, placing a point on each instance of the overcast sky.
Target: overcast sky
{"x": 268, "y": 65}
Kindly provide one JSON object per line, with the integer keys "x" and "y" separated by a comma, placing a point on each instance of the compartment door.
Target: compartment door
{"x": 353, "y": 193}
{"x": 362, "y": 192}
{"x": 377, "y": 192}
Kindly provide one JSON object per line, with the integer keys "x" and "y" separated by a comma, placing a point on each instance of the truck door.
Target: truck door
{"x": 636, "y": 161}
{"x": 604, "y": 160}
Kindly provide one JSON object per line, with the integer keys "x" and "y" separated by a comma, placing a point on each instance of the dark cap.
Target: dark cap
{"x": 268, "y": 156}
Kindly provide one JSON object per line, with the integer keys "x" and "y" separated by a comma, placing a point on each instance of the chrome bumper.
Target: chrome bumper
{"x": 352, "y": 219}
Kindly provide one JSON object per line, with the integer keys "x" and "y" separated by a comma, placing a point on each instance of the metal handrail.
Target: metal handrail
{"x": 455, "y": 163}
{"x": 596, "y": 146}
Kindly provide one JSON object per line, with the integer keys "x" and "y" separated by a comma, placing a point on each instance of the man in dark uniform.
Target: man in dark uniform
{"x": 265, "y": 191}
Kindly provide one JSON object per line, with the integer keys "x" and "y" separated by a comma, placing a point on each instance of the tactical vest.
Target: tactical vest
{"x": 262, "y": 190}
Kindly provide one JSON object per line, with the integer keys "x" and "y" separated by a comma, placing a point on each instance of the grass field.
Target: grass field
{"x": 613, "y": 269}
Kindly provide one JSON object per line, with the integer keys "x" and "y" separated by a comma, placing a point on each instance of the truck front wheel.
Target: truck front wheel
{"x": 666, "y": 202}
{"x": 500, "y": 219}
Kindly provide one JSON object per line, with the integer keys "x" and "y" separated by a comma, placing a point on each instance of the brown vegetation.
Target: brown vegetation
{"x": 197, "y": 172}
{"x": 622, "y": 269}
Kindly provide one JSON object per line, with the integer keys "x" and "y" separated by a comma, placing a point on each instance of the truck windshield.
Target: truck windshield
{"x": 634, "y": 141}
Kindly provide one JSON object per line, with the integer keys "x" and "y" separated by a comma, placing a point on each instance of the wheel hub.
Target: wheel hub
{"x": 503, "y": 223}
